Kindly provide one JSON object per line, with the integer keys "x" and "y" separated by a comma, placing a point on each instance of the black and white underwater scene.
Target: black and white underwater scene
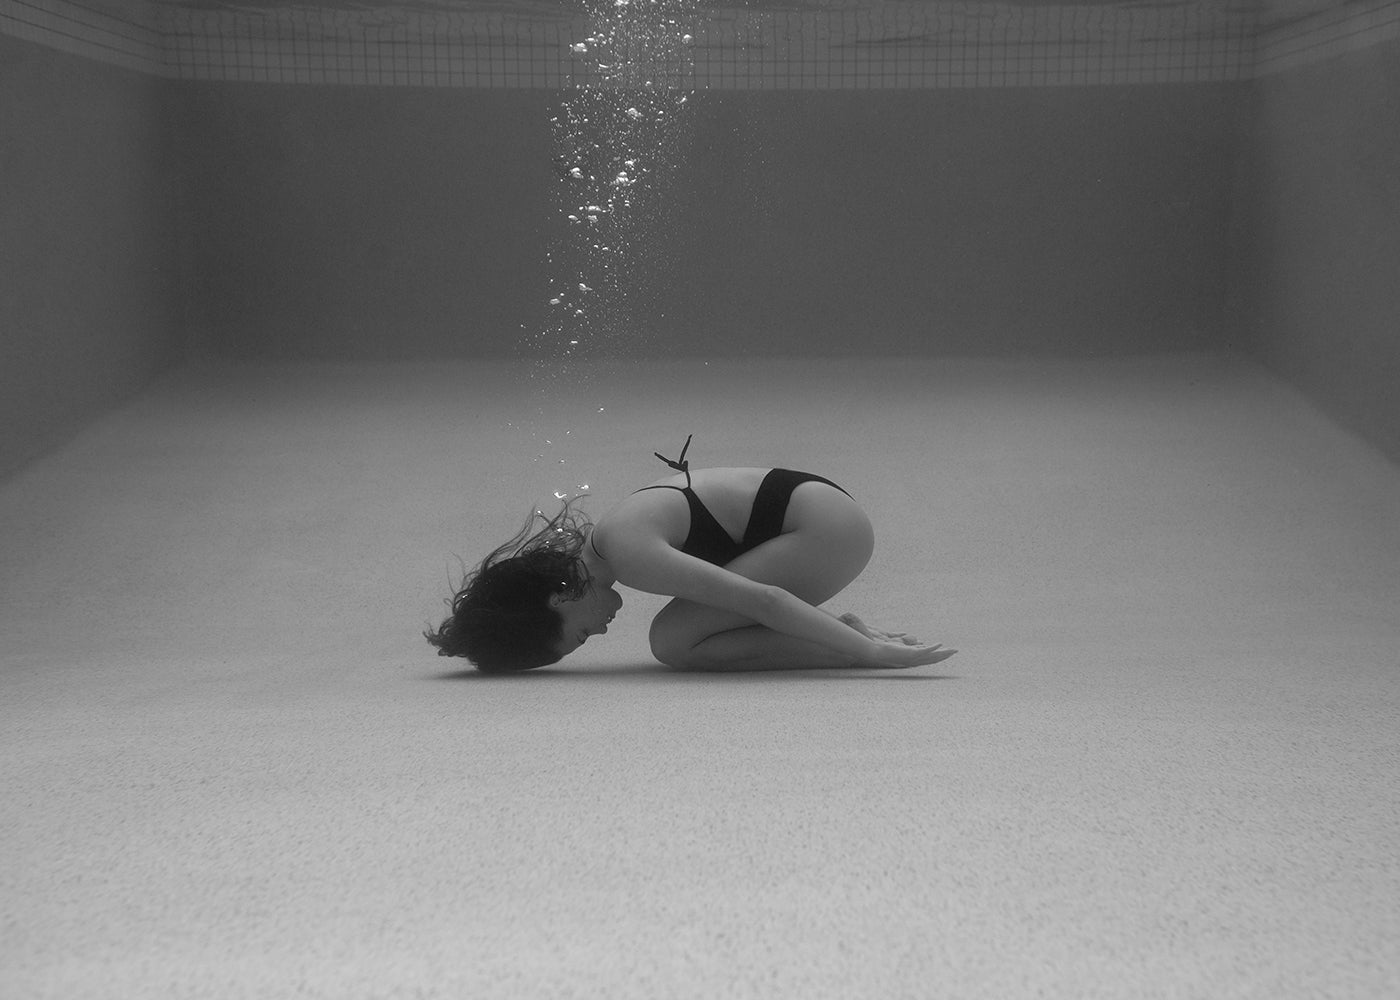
{"x": 696, "y": 499}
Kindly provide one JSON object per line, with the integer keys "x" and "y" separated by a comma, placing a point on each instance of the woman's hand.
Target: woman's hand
{"x": 900, "y": 655}
{"x": 896, "y": 650}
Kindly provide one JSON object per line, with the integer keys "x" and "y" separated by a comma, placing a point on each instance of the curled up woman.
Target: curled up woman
{"x": 751, "y": 604}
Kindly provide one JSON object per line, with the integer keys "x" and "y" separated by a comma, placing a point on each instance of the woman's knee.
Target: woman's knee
{"x": 680, "y": 653}
{"x": 667, "y": 645}
{"x": 683, "y": 625}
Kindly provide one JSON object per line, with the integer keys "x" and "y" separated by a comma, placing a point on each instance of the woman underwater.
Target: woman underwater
{"x": 749, "y": 605}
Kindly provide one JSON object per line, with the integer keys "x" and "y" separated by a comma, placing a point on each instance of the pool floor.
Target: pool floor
{"x": 1163, "y": 764}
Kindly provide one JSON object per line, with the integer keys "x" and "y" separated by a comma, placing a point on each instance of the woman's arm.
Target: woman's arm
{"x": 650, "y": 564}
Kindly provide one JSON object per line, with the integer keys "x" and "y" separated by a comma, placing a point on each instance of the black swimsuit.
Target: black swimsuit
{"x": 708, "y": 540}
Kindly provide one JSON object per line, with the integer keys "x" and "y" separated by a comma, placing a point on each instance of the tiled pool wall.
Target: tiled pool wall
{"x": 894, "y": 46}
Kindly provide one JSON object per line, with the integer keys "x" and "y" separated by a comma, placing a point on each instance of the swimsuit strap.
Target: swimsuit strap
{"x": 680, "y": 464}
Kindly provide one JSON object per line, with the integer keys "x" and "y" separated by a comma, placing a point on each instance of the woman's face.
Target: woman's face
{"x": 585, "y": 616}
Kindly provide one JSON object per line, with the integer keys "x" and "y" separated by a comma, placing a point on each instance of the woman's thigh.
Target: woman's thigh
{"x": 826, "y": 542}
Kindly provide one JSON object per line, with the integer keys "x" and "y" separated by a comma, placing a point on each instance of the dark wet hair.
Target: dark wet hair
{"x": 501, "y": 619}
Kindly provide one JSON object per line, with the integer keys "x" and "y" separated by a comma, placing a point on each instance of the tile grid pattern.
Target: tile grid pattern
{"x": 896, "y": 46}
{"x": 1346, "y": 29}
{"x": 131, "y": 41}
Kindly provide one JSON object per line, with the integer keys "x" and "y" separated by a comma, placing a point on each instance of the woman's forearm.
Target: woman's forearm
{"x": 795, "y": 617}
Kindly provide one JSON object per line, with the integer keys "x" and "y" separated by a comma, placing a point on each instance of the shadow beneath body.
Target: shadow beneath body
{"x": 651, "y": 670}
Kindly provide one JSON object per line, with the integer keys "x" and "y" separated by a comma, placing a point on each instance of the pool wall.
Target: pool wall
{"x": 405, "y": 223}
{"x": 1316, "y": 276}
{"x": 89, "y": 292}
{"x": 150, "y": 221}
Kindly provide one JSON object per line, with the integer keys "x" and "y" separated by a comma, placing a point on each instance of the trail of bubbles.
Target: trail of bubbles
{"x": 617, "y": 137}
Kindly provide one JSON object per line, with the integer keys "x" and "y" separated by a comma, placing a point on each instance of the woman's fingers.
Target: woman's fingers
{"x": 902, "y": 657}
{"x": 929, "y": 655}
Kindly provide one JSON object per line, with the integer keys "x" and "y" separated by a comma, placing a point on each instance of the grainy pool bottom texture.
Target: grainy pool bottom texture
{"x": 1164, "y": 763}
